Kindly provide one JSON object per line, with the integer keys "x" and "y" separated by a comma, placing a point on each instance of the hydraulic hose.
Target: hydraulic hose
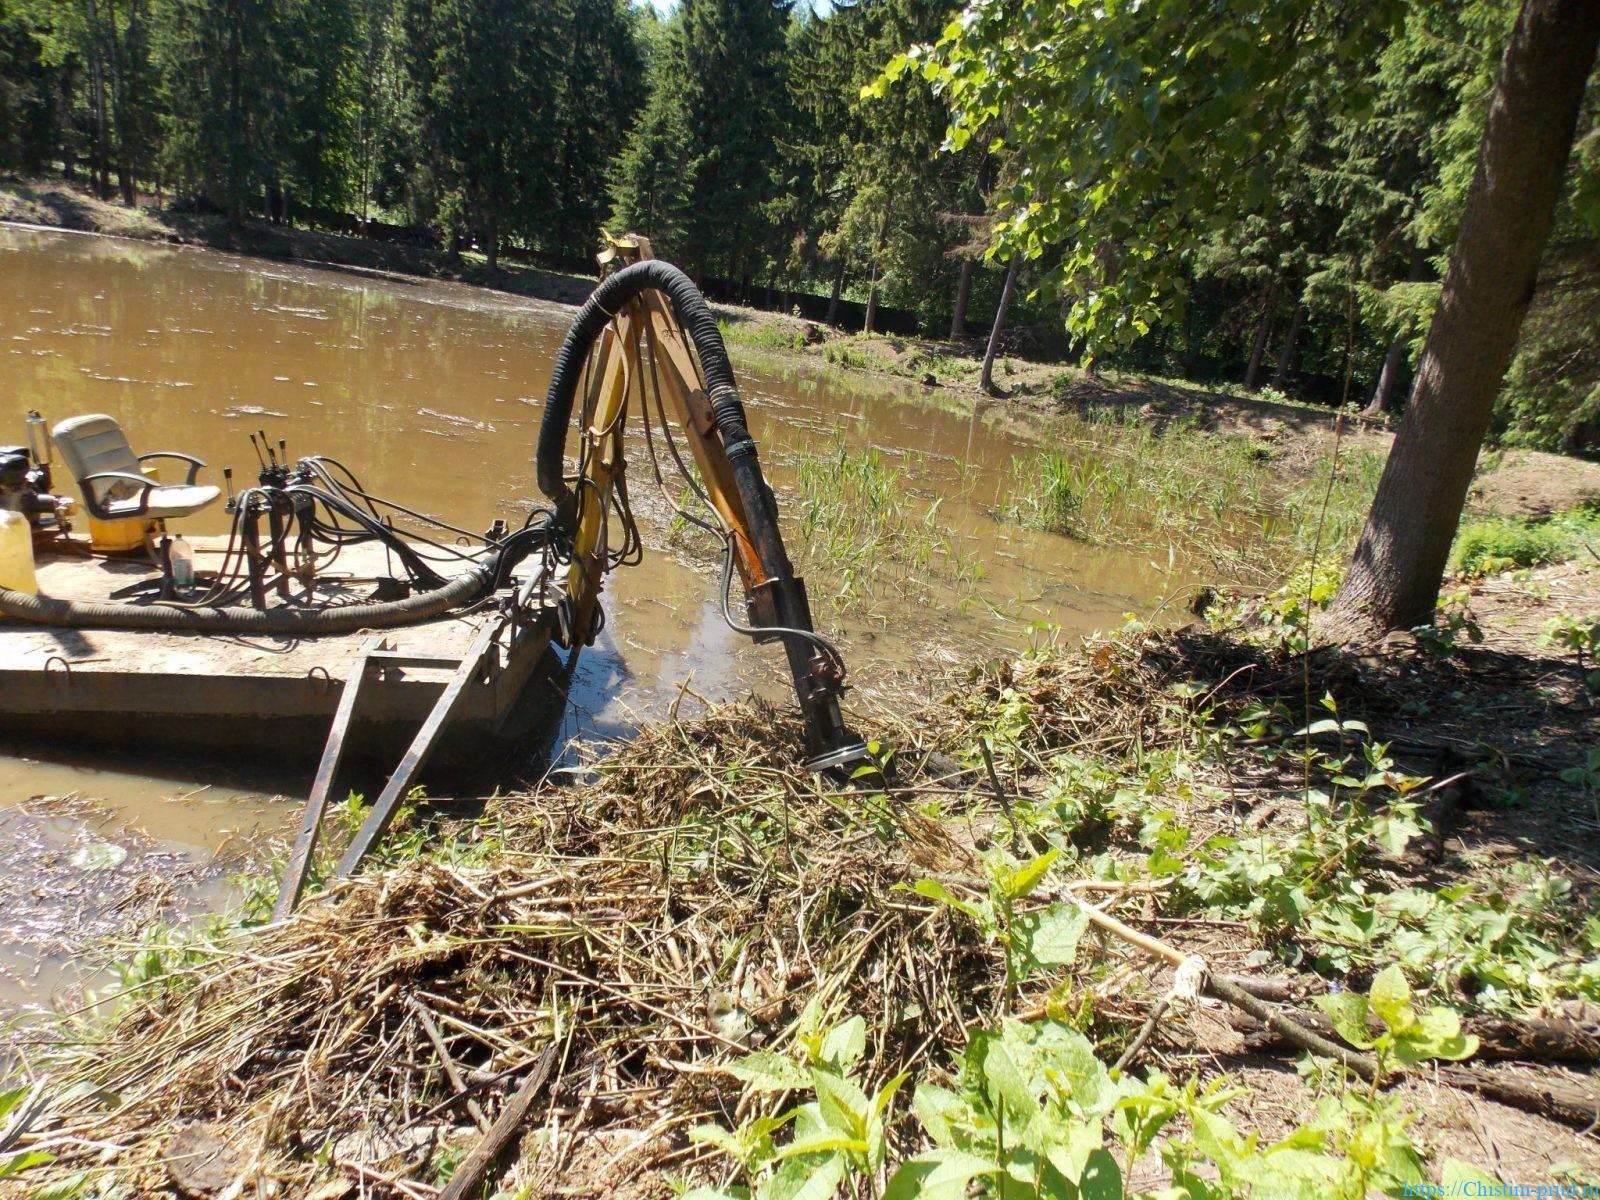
{"x": 74, "y": 614}
{"x": 817, "y": 673}
{"x": 698, "y": 321}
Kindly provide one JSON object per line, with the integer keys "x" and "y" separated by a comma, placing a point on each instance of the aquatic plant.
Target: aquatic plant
{"x": 862, "y": 528}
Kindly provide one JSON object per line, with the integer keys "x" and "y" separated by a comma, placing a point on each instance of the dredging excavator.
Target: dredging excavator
{"x": 645, "y": 349}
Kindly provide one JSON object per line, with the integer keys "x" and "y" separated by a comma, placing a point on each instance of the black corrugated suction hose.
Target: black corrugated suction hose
{"x": 73, "y": 614}
{"x": 698, "y": 321}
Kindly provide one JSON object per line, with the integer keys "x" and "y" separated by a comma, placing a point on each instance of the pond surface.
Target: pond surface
{"x": 432, "y": 392}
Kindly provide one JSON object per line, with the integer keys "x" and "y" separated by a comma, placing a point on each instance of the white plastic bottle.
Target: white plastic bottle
{"x": 16, "y": 554}
{"x": 181, "y": 556}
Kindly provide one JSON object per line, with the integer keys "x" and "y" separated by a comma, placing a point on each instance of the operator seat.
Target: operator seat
{"x": 97, "y": 453}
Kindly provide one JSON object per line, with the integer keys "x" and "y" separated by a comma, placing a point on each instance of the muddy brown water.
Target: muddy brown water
{"x": 432, "y": 392}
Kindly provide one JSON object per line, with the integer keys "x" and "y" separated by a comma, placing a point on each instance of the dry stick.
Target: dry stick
{"x": 1000, "y": 791}
{"x": 446, "y": 1061}
{"x": 1225, "y": 988}
{"x": 477, "y": 1164}
{"x": 1560, "y": 1099}
{"x": 1145, "y": 1032}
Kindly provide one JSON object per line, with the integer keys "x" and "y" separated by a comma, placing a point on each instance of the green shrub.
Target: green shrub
{"x": 1506, "y": 543}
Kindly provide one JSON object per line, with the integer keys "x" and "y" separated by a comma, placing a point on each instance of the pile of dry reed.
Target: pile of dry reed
{"x": 671, "y": 914}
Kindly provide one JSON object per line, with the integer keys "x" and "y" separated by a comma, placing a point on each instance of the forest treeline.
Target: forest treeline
{"x": 761, "y": 144}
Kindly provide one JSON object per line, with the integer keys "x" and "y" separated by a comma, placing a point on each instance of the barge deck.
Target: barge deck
{"x": 261, "y": 694}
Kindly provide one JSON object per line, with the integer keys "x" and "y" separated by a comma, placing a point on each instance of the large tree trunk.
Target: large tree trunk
{"x": 958, "y": 316}
{"x": 986, "y": 380}
{"x": 833, "y": 300}
{"x": 1280, "y": 374}
{"x": 1399, "y": 560}
{"x": 1252, "y": 371}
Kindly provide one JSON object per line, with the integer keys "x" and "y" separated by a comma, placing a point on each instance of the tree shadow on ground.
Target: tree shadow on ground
{"x": 1510, "y": 720}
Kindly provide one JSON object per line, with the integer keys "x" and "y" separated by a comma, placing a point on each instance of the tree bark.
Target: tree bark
{"x": 872, "y": 288}
{"x": 1385, "y": 397}
{"x": 1252, "y": 371}
{"x": 1399, "y": 560}
{"x": 833, "y": 300}
{"x": 1280, "y": 373}
{"x": 986, "y": 381}
{"x": 958, "y": 316}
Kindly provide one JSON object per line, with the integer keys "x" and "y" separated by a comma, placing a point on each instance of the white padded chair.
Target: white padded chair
{"x": 96, "y": 451}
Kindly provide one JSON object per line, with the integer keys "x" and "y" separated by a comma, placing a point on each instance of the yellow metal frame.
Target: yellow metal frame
{"x": 617, "y": 371}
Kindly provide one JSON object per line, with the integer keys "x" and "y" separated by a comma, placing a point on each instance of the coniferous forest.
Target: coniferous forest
{"x": 765, "y": 147}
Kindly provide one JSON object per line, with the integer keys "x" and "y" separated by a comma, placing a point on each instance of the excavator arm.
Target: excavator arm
{"x": 646, "y": 347}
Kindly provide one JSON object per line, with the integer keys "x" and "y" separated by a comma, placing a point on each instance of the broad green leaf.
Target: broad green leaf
{"x": 1437, "y": 1034}
{"x": 1348, "y": 1012}
{"x": 843, "y": 1105}
{"x": 716, "y": 1135}
{"x": 1455, "y": 1175}
{"x": 10, "y": 1098}
{"x": 800, "y": 1180}
{"x": 876, "y": 1138}
{"x": 1050, "y": 937}
{"x": 1006, "y": 1086}
{"x": 1390, "y": 997}
{"x": 937, "y": 1175}
{"x": 1325, "y": 725}
{"x": 826, "y": 1143}
{"x": 1101, "y": 1178}
{"x": 1020, "y": 881}
{"x": 886, "y": 1094}
{"x": 934, "y": 890}
{"x": 16, "y": 1164}
{"x": 845, "y": 1043}
{"x": 938, "y": 1109}
{"x": 765, "y": 1071}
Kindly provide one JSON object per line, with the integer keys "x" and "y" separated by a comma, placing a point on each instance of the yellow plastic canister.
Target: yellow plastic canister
{"x": 112, "y": 537}
{"x": 16, "y": 554}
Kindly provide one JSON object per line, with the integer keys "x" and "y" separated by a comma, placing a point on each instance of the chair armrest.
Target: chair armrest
{"x": 145, "y": 487}
{"x": 194, "y": 463}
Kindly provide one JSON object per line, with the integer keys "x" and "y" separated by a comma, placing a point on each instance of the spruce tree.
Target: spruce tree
{"x": 699, "y": 167}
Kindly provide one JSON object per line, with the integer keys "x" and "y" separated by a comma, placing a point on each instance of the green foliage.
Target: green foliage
{"x": 1137, "y": 129}
{"x": 1174, "y": 487}
{"x": 863, "y": 529}
{"x": 1580, "y": 636}
{"x": 698, "y": 167}
{"x": 15, "y": 1106}
{"x": 1405, "y": 1037}
{"x": 1030, "y": 1113}
{"x": 1030, "y": 940}
{"x": 1313, "y": 890}
{"x": 1499, "y": 544}
{"x": 842, "y": 1131}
